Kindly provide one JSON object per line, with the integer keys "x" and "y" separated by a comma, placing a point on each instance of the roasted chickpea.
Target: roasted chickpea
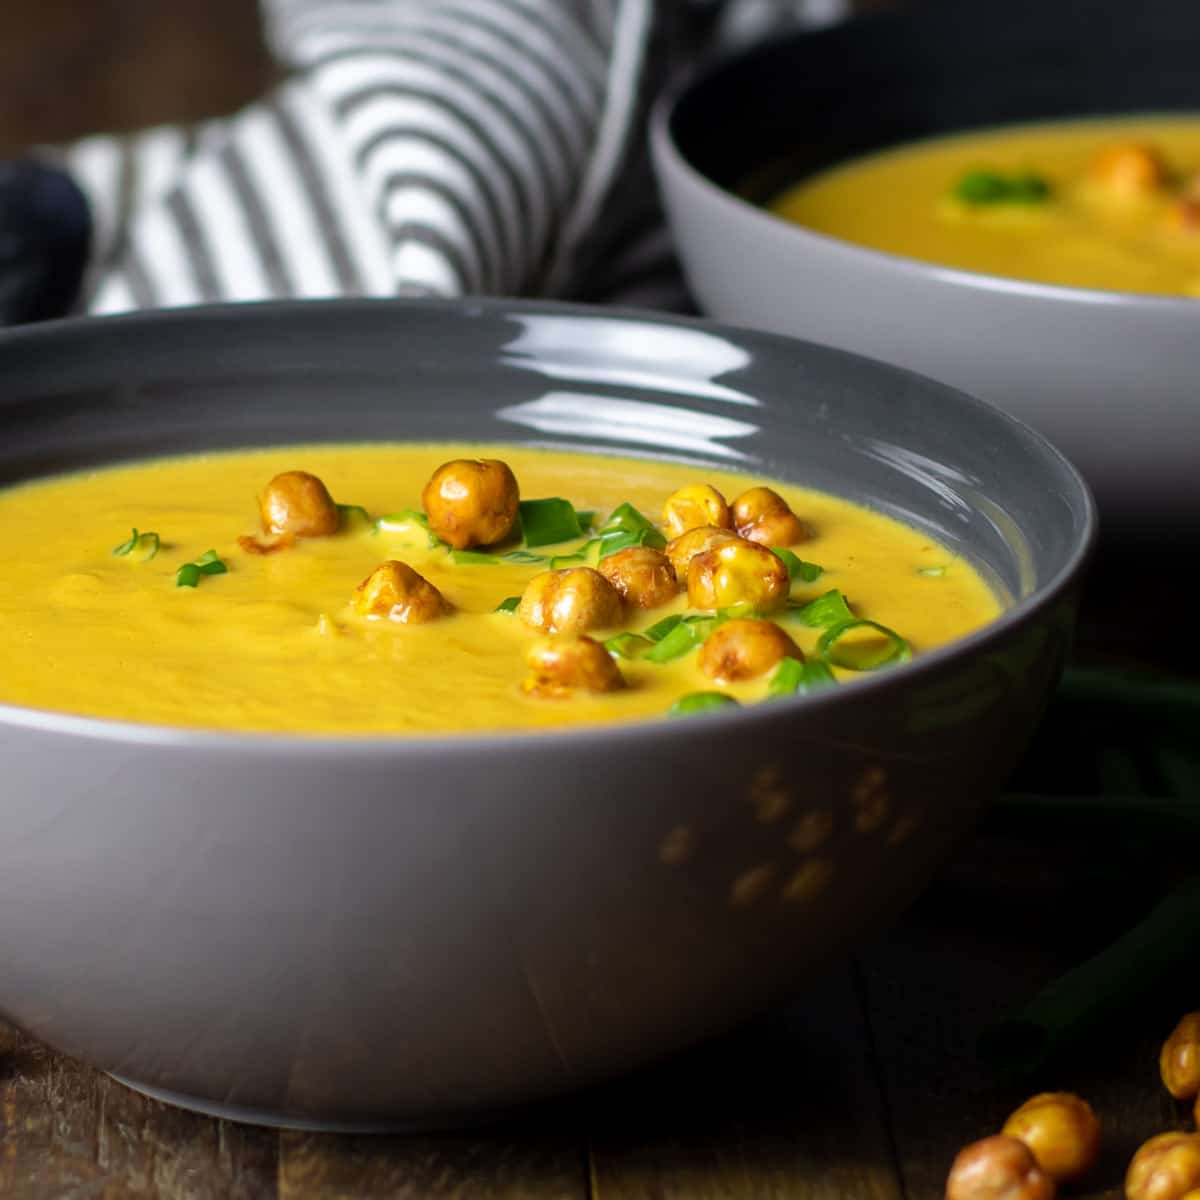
{"x": 1129, "y": 169}
{"x": 998, "y": 1168}
{"x": 395, "y": 592}
{"x": 472, "y": 502}
{"x": 681, "y": 550}
{"x": 1062, "y": 1131}
{"x": 298, "y": 504}
{"x": 694, "y": 506}
{"x": 739, "y": 572}
{"x": 559, "y": 666}
{"x": 745, "y": 649}
{"x": 572, "y": 600}
{"x": 762, "y": 515}
{"x": 644, "y": 576}
{"x": 1179, "y": 1059}
{"x": 1166, "y": 1167}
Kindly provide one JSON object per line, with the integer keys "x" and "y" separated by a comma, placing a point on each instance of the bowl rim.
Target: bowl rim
{"x": 303, "y": 746}
{"x": 667, "y": 154}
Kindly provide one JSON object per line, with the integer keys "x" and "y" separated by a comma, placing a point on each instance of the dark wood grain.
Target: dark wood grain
{"x": 70, "y": 1132}
{"x": 72, "y": 67}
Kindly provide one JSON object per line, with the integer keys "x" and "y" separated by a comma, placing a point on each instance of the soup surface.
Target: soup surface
{"x": 1106, "y": 203}
{"x": 279, "y": 641}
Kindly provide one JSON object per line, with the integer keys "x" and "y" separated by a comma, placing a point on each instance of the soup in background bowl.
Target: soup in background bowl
{"x": 381, "y": 931}
{"x": 1108, "y": 375}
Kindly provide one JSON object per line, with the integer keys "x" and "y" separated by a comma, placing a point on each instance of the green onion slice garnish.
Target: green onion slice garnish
{"x": 700, "y": 702}
{"x": 347, "y": 511}
{"x": 508, "y": 605}
{"x": 626, "y": 519}
{"x": 834, "y": 649}
{"x": 682, "y": 639}
{"x": 549, "y": 522}
{"x": 627, "y": 645}
{"x": 799, "y": 571}
{"x": 405, "y": 519}
{"x": 660, "y": 629}
{"x": 523, "y": 556}
{"x": 613, "y": 540}
{"x": 795, "y": 678}
{"x": 984, "y": 187}
{"x": 473, "y": 558}
{"x": 931, "y": 572}
{"x": 825, "y": 611}
{"x": 145, "y": 545}
{"x": 207, "y": 564}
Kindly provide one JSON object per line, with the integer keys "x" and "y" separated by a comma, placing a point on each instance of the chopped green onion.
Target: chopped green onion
{"x": 508, "y": 605}
{"x": 549, "y": 522}
{"x": 523, "y": 556}
{"x": 473, "y": 558}
{"x": 931, "y": 572}
{"x": 146, "y": 544}
{"x": 627, "y": 645}
{"x": 896, "y": 649}
{"x": 574, "y": 559}
{"x": 795, "y": 678}
{"x": 346, "y": 511}
{"x": 700, "y": 702}
{"x": 681, "y": 640}
{"x": 586, "y": 519}
{"x": 735, "y": 612}
{"x": 798, "y": 569}
{"x": 406, "y": 518}
{"x": 981, "y": 186}
{"x": 660, "y": 629}
{"x": 613, "y": 540}
{"x": 824, "y": 612}
{"x": 207, "y": 564}
{"x": 625, "y": 518}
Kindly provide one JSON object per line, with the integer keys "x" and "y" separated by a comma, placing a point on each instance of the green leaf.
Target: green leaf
{"x": 823, "y": 612}
{"x": 406, "y": 519}
{"x": 931, "y": 572}
{"x": 508, "y": 605}
{"x": 207, "y": 564}
{"x": 799, "y": 571}
{"x": 347, "y": 511}
{"x": 144, "y": 545}
{"x": 524, "y": 557}
{"x": 681, "y": 640}
{"x": 833, "y": 648}
{"x": 795, "y": 678}
{"x": 985, "y": 187}
{"x": 660, "y": 629}
{"x": 549, "y": 522}
{"x": 626, "y": 519}
{"x": 701, "y": 702}
{"x": 621, "y": 539}
{"x": 628, "y": 645}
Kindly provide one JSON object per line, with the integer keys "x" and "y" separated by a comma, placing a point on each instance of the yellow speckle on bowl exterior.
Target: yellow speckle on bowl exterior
{"x": 808, "y": 881}
{"x": 751, "y": 886}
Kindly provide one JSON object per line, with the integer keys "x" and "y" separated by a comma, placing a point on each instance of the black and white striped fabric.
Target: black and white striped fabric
{"x": 419, "y": 147}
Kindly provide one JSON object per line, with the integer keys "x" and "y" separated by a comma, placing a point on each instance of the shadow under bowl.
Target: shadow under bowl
{"x": 380, "y": 932}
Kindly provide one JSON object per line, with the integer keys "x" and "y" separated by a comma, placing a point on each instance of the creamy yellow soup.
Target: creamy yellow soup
{"x": 1096, "y": 227}
{"x": 273, "y": 643}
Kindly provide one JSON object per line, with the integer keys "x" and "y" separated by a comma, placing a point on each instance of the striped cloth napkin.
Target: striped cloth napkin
{"x": 418, "y": 147}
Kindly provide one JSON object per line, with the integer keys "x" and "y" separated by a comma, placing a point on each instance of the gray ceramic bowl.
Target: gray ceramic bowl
{"x": 1110, "y": 377}
{"x": 373, "y": 933}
